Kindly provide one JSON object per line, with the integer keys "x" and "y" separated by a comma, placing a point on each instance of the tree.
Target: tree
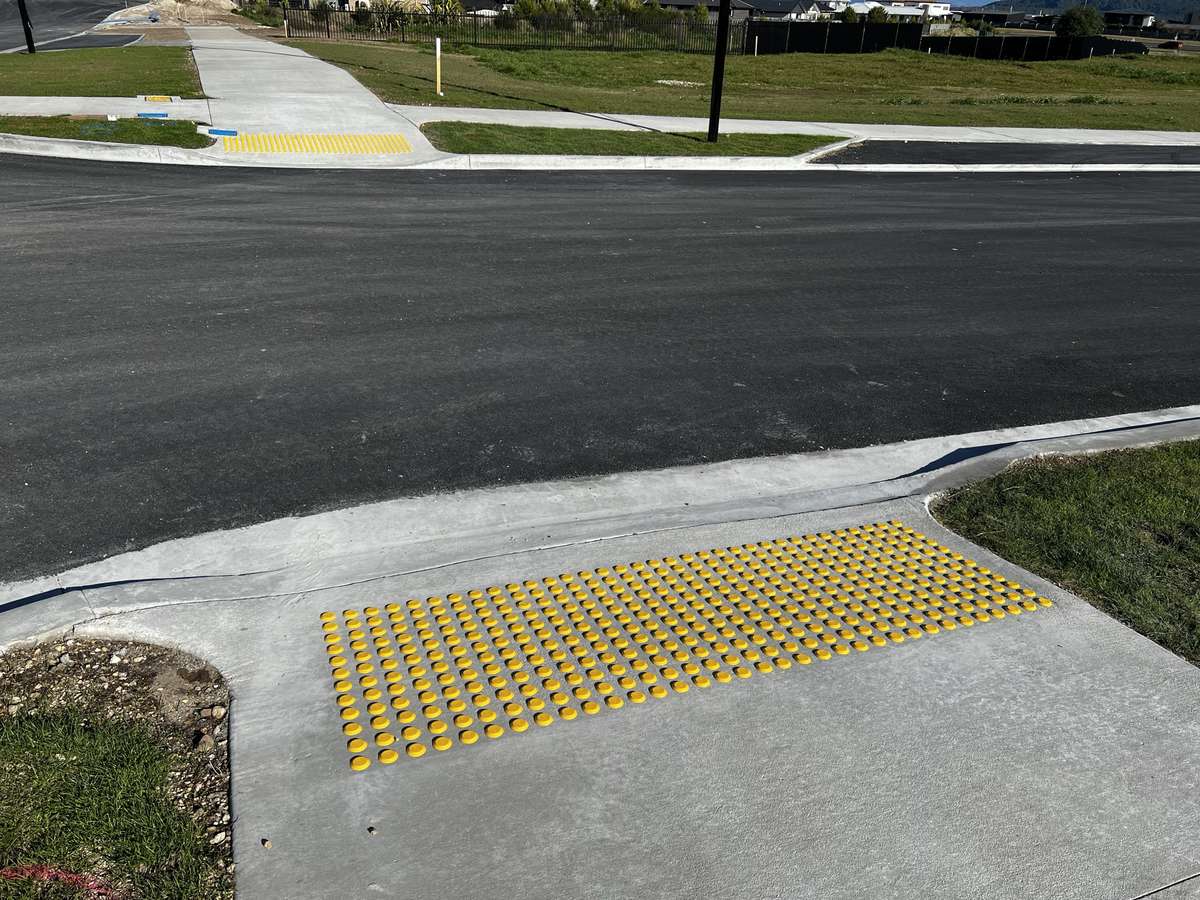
{"x": 849, "y": 16}
{"x": 1079, "y": 21}
{"x": 877, "y": 14}
{"x": 699, "y": 14}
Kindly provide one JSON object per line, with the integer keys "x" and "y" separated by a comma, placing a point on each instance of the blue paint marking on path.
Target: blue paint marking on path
{"x": 144, "y": 115}
{"x": 222, "y": 132}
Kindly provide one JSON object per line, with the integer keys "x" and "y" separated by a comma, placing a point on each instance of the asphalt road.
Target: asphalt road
{"x": 973, "y": 153}
{"x": 52, "y": 19}
{"x": 184, "y": 350}
{"x": 90, "y": 42}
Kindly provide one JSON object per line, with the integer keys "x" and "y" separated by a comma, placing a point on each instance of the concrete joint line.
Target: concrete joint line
{"x": 1167, "y": 887}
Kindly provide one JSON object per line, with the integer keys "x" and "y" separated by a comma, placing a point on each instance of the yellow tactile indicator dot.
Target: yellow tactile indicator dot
{"x": 440, "y": 673}
{"x": 364, "y": 144}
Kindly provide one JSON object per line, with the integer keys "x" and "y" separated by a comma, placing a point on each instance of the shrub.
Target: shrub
{"x": 545, "y": 15}
{"x": 1079, "y": 21}
{"x": 443, "y": 9}
{"x": 388, "y": 14}
{"x": 653, "y": 14}
{"x": 877, "y": 14}
{"x": 849, "y": 16}
{"x": 699, "y": 15}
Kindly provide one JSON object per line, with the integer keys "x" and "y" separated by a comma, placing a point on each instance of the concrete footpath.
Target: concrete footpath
{"x": 769, "y": 678}
{"x": 422, "y": 115}
{"x": 262, "y": 86}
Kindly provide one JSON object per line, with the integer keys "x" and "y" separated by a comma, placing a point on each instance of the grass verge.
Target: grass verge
{"x": 114, "y": 774}
{"x": 901, "y": 87}
{"x": 108, "y": 72}
{"x": 471, "y": 137}
{"x": 72, "y": 792}
{"x": 1120, "y": 529}
{"x": 123, "y": 131}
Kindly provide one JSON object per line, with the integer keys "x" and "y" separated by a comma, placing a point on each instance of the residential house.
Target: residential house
{"x": 786, "y": 10}
{"x": 780, "y": 10}
{"x": 1129, "y": 18}
{"x": 738, "y": 9}
{"x": 915, "y": 11}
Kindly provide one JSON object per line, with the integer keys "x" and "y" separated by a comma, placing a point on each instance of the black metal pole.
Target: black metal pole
{"x": 718, "y": 79}
{"x": 26, "y": 24}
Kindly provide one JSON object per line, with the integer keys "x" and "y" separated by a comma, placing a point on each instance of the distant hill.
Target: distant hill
{"x": 1176, "y": 10}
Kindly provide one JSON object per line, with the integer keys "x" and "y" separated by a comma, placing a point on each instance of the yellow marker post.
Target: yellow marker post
{"x": 437, "y": 52}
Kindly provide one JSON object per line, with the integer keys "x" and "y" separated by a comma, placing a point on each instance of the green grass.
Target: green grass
{"x": 110, "y": 72}
{"x": 470, "y": 137}
{"x": 1120, "y": 529}
{"x": 896, "y": 86}
{"x": 123, "y": 131}
{"x": 91, "y": 800}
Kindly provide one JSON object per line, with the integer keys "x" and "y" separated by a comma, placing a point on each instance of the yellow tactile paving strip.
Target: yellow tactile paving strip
{"x": 445, "y": 672}
{"x": 317, "y": 143}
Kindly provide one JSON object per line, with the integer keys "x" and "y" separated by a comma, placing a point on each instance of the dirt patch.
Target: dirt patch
{"x": 180, "y": 700}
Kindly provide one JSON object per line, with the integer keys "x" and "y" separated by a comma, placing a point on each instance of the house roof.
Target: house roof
{"x": 733, "y": 4}
{"x": 778, "y": 6}
{"x": 751, "y": 5}
{"x": 1128, "y": 12}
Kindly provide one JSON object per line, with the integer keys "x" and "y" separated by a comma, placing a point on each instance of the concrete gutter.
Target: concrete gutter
{"x": 138, "y": 153}
{"x": 376, "y": 541}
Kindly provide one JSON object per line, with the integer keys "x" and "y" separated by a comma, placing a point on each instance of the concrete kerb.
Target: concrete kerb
{"x": 138, "y": 153}
{"x": 368, "y": 544}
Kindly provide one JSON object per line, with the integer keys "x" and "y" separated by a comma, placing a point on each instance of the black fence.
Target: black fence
{"x": 1167, "y": 34}
{"x": 870, "y": 37}
{"x": 509, "y": 32}
{"x": 829, "y": 37}
{"x": 754, "y": 36}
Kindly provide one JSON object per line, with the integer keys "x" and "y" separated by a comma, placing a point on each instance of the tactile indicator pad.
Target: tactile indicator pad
{"x": 444, "y": 673}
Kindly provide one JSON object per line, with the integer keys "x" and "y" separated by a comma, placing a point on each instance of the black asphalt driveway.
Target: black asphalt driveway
{"x": 190, "y": 349}
{"x": 975, "y": 153}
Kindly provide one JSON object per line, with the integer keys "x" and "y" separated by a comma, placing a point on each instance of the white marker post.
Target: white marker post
{"x": 437, "y": 52}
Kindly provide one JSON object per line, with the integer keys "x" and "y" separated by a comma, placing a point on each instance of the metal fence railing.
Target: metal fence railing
{"x": 509, "y": 32}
